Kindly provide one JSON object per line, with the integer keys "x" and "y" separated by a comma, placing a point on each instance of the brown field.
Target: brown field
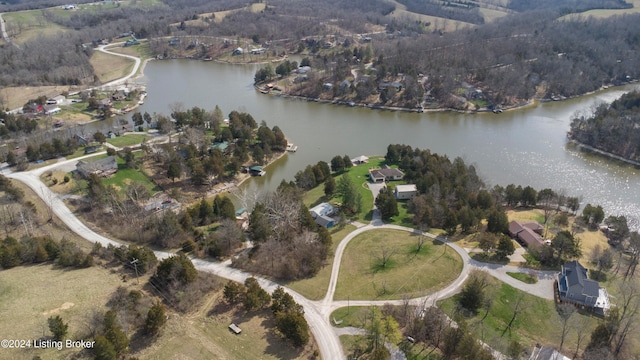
{"x": 23, "y": 26}
{"x": 109, "y": 67}
{"x": 437, "y": 23}
{"x": 16, "y": 97}
{"x": 218, "y": 16}
{"x": 204, "y": 334}
{"x": 605, "y": 13}
{"x": 31, "y": 294}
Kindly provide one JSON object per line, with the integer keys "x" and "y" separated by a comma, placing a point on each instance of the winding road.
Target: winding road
{"x": 3, "y": 30}
{"x": 317, "y": 313}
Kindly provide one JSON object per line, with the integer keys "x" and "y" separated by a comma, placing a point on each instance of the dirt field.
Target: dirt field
{"x": 16, "y": 97}
{"x": 109, "y": 67}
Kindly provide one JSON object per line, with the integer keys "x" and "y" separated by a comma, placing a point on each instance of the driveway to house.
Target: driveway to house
{"x": 133, "y": 72}
{"x": 317, "y": 313}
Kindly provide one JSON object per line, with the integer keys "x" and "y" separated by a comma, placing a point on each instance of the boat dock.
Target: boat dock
{"x": 291, "y": 147}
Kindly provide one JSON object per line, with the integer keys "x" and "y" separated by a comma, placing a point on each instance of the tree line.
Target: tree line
{"x": 613, "y": 128}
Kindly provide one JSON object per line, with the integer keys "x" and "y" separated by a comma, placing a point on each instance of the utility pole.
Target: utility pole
{"x": 135, "y": 265}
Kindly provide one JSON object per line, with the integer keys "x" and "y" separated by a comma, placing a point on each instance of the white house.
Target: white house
{"x": 56, "y": 100}
{"x": 323, "y": 209}
{"x": 405, "y": 192}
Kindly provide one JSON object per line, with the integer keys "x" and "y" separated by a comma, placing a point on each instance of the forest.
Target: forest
{"x": 613, "y": 128}
{"x": 522, "y": 56}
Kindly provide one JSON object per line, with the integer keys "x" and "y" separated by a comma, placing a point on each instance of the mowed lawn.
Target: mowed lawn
{"x": 128, "y": 140}
{"x": 537, "y": 322}
{"x": 29, "y": 295}
{"x": 362, "y": 276}
{"x": 125, "y": 176}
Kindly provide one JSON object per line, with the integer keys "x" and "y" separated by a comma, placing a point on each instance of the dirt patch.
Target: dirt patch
{"x": 65, "y": 306}
{"x": 16, "y": 96}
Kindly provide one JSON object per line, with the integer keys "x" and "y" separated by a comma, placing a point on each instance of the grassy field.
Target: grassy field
{"x": 437, "y": 23}
{"x": 128, "y": 140}
{"x": 362, "y": 275}
{"x": 31, "y": 294}
{"x": 535, "y": 315}
{"x": 17, "y": 96}
{"x": 204, "y": 18}
{"x": 23, "y": 26}
{"x": 315, "y": 288}
{"x": 110, "y": 67}
{"x": 126, "y": 176}
{"x": 605, "y": 13}
{"x": 204, "y": 334}
{"x": 349, "y": 316}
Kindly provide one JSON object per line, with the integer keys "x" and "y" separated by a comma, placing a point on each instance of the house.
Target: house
{"x": 92, "y": 148}
{"x": 385, "y": 174}
{"x": 405, "y": 192}
{"x": 222, "y": 146}
{"x": 81, "y": 140}
{"x": 576, "y": 288}
{"x": 56, "y": 100}
{"x": 104, "y": 103}
{"x": 323, "y": 209}
{"x": 546, "y": 353}
{"x": 360, "y": 160}
{"x": 321, "y": 214}
{"x": 119, "y": 95}
{"x": 529, "y": 233}
{"x": 256, "y": 170}
{"x": 103, "y": 167}
{"x": 51, "y": 109}
{"x": 258, "y": 51}
{"x": 386, "y": 85}
{"x": 237, "y": 51}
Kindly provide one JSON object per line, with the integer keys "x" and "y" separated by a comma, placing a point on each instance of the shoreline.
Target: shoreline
{"x": 588, "y": 148}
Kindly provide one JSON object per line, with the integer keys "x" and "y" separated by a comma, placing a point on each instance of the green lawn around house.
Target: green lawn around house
{"x": 316, "y": 287}
{"x": 407, "y": 273}
{"x": 128, "y": 140}
{"x": 125, "y": 176}
{"x": 537, "y": 321}
{"x": 353, "y": 316}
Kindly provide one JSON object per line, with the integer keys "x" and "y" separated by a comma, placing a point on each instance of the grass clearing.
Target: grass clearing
{"x": 128, "y": 140}
{"x": 110, "y": 67}
{"x": 125, "y": 176}
{"x": 363, "y": 276}
{"x": 23, "y": 26}
{"x": 437, "y": 23}
{"x": 316, "y": 287}
{"x": 604, "y": 13}
{"x": 350, "y": 316}
{"x": 30, "y": 294}
{"x": 537, "y": 321}
{"x": 16, "y": 96}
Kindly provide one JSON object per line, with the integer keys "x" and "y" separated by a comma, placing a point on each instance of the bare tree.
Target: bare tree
{"x": 517, "y": 308}
{"x": 565, "y": 311}
{"x": 385, "y": 255}
{"x": 581, "y": 324}
{"x": 628, "y": 313}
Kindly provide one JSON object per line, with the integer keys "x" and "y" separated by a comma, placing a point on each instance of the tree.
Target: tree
{"x": 529, "y": 196}
{"x": 472, "y": 294}
{"x": 99, "y": 137}
{"x": 618, "y": 229}
{"x": 57, "y": 327}
{"x": 488, "y": 242}
{"x": 156, "y": 319}
{"x": 348, "y": 191}
{"x": 381, "y": 329}
{"x": 175, "y": 270}
{"x": 233, "y": 292}
{"x": 565, "y": 311}
{"x": 566, "y": 246}
{"x": 137, "y": 118}
{"x": 329, "y": 186}
{"x": 387, "y": 204}
{"x": 103, "y": 349}
{"x": 593, "y": 215}
{"x": 255, "y": 297}
{"x": 497, "y": 221}
{"x": 505, "y": 247}
{"x": 294, "y": 327}
{"x": 173, "y": 171}
{"x": 337, "y": 163}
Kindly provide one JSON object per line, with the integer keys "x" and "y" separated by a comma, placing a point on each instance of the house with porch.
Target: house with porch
{"x": 575, "y": 287}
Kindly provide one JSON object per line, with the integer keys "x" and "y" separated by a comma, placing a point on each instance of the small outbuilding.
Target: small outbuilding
{"x": 405, "y": 192}
{"x": 235, "y": 329}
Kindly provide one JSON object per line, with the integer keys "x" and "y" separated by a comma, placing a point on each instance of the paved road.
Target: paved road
{"x": 317, "y": 313}
{"x": 133, "y": 72}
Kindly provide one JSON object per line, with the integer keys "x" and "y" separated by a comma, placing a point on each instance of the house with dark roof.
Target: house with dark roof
{"x": 321, "y": 214}
{"x": 385, "y": 173}
{"x": 575, "y": 287}
{"x": 529, "y": 233}
{"x": 103, "y": 167}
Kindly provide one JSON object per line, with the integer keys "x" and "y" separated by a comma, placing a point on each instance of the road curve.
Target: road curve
{"x": 328, "y": 342}
{"x": 133, "y": 72}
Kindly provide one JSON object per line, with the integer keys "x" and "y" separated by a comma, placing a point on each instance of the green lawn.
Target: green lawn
{"x": 126, "y": 176}
{"x": 315, "y": 288}
{"x": 128, "y": 140}
{"x": 30, "y": 24}
{"x": 537, "y": 321}
{"x": 349, "y": 316}
{"x": 362, "y": 275}
{"x": 525, "y": 278}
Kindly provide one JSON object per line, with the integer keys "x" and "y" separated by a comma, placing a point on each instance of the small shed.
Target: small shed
{"x": 405, "y": 192}
{"x": 236, "y": 330}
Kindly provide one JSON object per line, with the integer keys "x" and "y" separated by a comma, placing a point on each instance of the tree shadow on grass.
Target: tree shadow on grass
{"x": 277, "y": 345}
{"x": 491, "y": 259}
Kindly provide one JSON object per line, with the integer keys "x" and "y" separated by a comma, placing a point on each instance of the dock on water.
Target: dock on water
{"x": 291, "y": 147}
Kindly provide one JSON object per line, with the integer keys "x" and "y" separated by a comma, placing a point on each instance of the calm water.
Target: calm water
{"x": 526, "y": 146}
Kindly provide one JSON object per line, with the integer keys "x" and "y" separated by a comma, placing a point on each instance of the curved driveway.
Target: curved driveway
{"x": 136, "y": 66}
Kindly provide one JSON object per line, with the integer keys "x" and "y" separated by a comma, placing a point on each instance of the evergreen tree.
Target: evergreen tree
{"x": 57, "y": 327}
{"x": 103, "y": 349}
{"x": 387, "y": 204}
{"x": 156, "y": 318}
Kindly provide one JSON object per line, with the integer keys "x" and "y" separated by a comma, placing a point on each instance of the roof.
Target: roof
{"x": 526, "y": 232}
{"x": 107, "y": 164}
{"x": 324, "y": 221}
{"x": 386, "y": 172}
{"x": 406, "y": 188}
{"x": 255, "y": 168}
{"x": 546, "y": 353}
{"x": 222, "y": 146}
{"x": 322, "y": 209}
{"x": 576, "y": 286}
{"x": 360, "y": 159}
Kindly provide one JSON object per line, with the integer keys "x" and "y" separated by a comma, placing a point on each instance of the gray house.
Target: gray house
{"x": 576, "y": 288}
{"x": 103, "y": 167}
